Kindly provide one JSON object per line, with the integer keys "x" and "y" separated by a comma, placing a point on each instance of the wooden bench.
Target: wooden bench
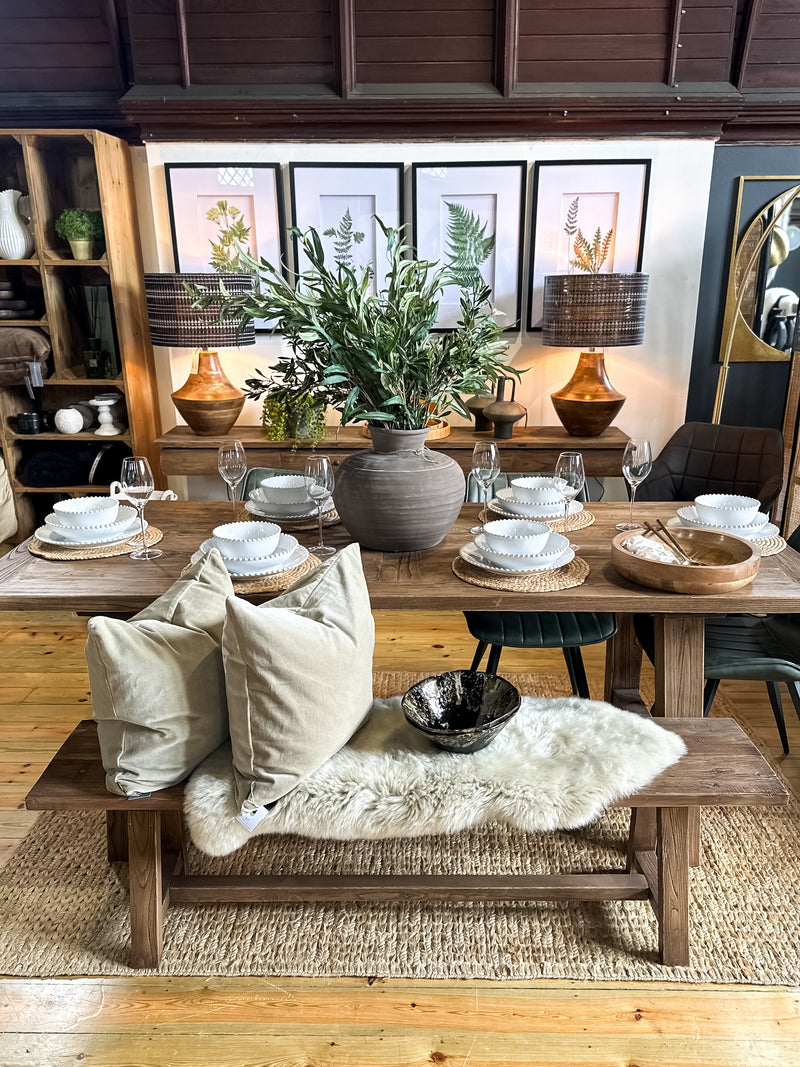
{"x": 722, "y": 767}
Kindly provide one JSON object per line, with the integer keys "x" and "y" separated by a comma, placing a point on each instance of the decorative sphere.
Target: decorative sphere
{"x": 69, "y": 420}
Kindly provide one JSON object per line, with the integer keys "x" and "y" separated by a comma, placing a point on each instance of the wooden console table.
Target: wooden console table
{"x": 533, "y": 449}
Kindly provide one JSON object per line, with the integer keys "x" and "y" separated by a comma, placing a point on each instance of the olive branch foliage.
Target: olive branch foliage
{"x": 374, "y": 357}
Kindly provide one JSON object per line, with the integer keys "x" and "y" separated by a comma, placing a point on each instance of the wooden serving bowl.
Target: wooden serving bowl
{"x": 727, "y": 563}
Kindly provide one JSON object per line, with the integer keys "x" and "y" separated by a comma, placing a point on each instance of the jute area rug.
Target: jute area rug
{"x": 63, "y": 911}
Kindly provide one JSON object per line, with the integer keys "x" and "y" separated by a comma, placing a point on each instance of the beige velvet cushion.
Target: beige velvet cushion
{"x": 298, "y": 672}
{"x": 158, "y": 687}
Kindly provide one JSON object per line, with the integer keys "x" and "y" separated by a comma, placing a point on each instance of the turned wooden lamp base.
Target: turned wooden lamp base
{"x": 207, "y": 400}
{"x": 587, "y": 404}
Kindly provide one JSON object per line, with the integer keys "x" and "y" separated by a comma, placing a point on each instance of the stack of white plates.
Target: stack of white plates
{"x": 89, "y": 528}
{"x": 556, "y": 553}
{"x": 506, "y": 504}
{"x": 284, "y": 512}
{"x": 760, "y": 529}
{"x": 285, "y": 557}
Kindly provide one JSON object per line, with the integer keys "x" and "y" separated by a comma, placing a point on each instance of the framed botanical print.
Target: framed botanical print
{"x": 470, "y": 216}
{"x": 588, "y": 216}
{"x": 216, "y": 208}
{"x": 341, "y": 202}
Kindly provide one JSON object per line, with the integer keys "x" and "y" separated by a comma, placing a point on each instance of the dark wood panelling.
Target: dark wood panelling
{"x": 155, "y": 51}
{"x": 772, "y": 59}
{"x": 424, "y": 42}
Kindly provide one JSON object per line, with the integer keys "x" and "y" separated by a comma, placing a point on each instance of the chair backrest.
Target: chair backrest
{"x": 704, "y": 458}
{"x": 257, "y": 474}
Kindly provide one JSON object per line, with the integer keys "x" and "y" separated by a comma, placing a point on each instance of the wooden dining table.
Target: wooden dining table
{"x": 411, "y": 581}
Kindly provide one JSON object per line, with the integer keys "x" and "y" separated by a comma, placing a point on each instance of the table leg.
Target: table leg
{"x": 117, "y": 836}
{"x": 679, "y": 684}
{"x": 673, "y": 886}
{"x": 146, "y": 893}
{"x": 623, "y": 659}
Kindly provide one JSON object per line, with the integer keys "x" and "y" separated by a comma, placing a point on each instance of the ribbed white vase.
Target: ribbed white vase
{"x": 15, "y": 237}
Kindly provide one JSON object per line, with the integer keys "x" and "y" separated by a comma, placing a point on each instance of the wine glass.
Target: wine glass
{"x": 485, "y": 469}
{"x": 320, "y": 483}
{"x": 232, "y": 465}
{"x": 637, "y": 462}
{"x": 137, "y": 483}
{"x": 569, "y": 479}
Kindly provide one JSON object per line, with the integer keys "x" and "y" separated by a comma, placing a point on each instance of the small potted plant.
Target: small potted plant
{"x": 289, "y": 411}
{"x": 80, "y": 229}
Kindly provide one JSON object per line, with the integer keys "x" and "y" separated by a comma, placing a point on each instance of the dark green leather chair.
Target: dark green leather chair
{"x": 567, "y": 630}
{"x": 754, "y": 648}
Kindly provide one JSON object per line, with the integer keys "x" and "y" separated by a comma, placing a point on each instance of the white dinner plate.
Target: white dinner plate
{"x": 555, "y": 546}
{"x": 504, "y": 504}
{"x": 50, "y": 536}
{"x": 258, "y": 568}
{"x": 84, "y": 535}
{"x": 761, "y": 533}
{"x": 471, "y": 554}
{"x": 690, "y": 515}
{"x": 278, "y": 514}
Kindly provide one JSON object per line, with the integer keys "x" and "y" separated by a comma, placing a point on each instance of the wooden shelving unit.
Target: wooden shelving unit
{"x": 90, "y": 170}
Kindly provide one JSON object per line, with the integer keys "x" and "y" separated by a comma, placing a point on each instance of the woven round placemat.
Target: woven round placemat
{"x": 771, "y": 546}
{"x": 152, "y": 536}
{"x": 330, "y": 518}
{"x": 574, "y": 573}
{"x": 276, "y": 583}
{"x": 576, "y": 522}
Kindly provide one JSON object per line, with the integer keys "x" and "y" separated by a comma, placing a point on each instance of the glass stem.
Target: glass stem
{"x": 633, "y": 497}
{"x": 319, "y": 519}
{"x": 566, "y": 512}
{"x": 141, "y": 521}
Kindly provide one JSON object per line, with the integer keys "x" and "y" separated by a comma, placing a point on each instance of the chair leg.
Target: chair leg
{"x": 578, "y": 673}
{"x": 476, "y": 659}
{"x": 573, "y": 681}
{"x": 709, "y": 692}
{"x": 777, "y": 710}
{"x": 494, "y": 659}
{"x": 794, "y": 693}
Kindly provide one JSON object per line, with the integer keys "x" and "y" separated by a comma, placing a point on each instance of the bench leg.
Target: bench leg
{"x": 173, "y": 836}
{"x": 642, "y": 837}
{"x": 146, "y": 892}
{"x": 673, "y": 879}
{"x": 117, "y": 836}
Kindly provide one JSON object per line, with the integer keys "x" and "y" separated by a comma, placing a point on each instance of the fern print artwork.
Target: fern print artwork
{"x": 468, "y": 247}
{"x": 585, "y": 254}
{"x": 344, "y": 237}
{"x": 232, "y": 233}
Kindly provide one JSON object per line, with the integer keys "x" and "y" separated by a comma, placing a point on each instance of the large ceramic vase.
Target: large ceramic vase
{"x": 15, "y": 237}
{"x": 399, "y": 496}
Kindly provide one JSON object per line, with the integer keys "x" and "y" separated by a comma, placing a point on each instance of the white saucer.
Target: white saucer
{"x": 287, "y": 556}
{"x": 50, "y": 536}
{"x": 555, "y": 547}
{"x": 85, "y": 535}
{"x": 689, "y": 514}
{"x": 470, "y": 553}
{"x": 747, "y": 533}
{"x": 504, "y": 504}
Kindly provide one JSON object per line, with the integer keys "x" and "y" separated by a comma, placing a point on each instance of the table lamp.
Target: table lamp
{"x": 601, "y": 311}
{"x": 209, "y": 403}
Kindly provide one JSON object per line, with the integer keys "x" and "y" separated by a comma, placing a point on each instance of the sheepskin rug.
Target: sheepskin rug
{"x": 556, "y": 765}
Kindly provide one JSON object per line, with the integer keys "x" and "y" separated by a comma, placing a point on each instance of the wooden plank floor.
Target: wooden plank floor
{"x": 192, "y": 1022}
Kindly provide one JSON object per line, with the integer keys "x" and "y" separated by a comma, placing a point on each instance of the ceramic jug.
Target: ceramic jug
{"x": 15, "y": 237}
{"x": 504, "y": 413}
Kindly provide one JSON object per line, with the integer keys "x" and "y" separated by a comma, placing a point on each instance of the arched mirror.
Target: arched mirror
{"x": 763, "y": 276}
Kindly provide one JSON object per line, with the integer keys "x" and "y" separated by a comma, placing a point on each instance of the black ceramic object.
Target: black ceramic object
{"x": 504, "y": 413}
{"x": 29, "y": 422}
{"x": 461, "y": 711}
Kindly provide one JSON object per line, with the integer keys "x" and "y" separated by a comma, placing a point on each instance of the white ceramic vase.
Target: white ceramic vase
{"x": 15, "y": 237}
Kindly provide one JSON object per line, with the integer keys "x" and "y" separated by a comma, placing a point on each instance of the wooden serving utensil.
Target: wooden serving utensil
{"x": 670, "y": 543}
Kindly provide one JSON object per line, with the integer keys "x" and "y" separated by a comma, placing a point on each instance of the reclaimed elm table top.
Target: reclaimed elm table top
{"x": 407, "y": 581}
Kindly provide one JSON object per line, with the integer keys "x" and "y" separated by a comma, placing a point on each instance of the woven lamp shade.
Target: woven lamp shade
{"x": 598, "y": 310}
{"x": 174, "y": 323}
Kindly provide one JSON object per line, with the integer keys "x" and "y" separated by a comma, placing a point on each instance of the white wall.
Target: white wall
{"x": 653, "y": 376}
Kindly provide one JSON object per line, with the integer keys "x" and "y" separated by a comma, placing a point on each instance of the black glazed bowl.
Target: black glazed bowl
{"x": 461, "y": 711}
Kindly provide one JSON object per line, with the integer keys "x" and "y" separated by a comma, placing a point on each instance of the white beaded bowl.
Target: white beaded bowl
{"x": 87, "y": 511}
{"x": 537, "y": 490}
{"x": 246, "y": 540}
{"x": 517, "y": 537}
{"x": 726, "y": 509}
{"x": 285, "y": 489}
